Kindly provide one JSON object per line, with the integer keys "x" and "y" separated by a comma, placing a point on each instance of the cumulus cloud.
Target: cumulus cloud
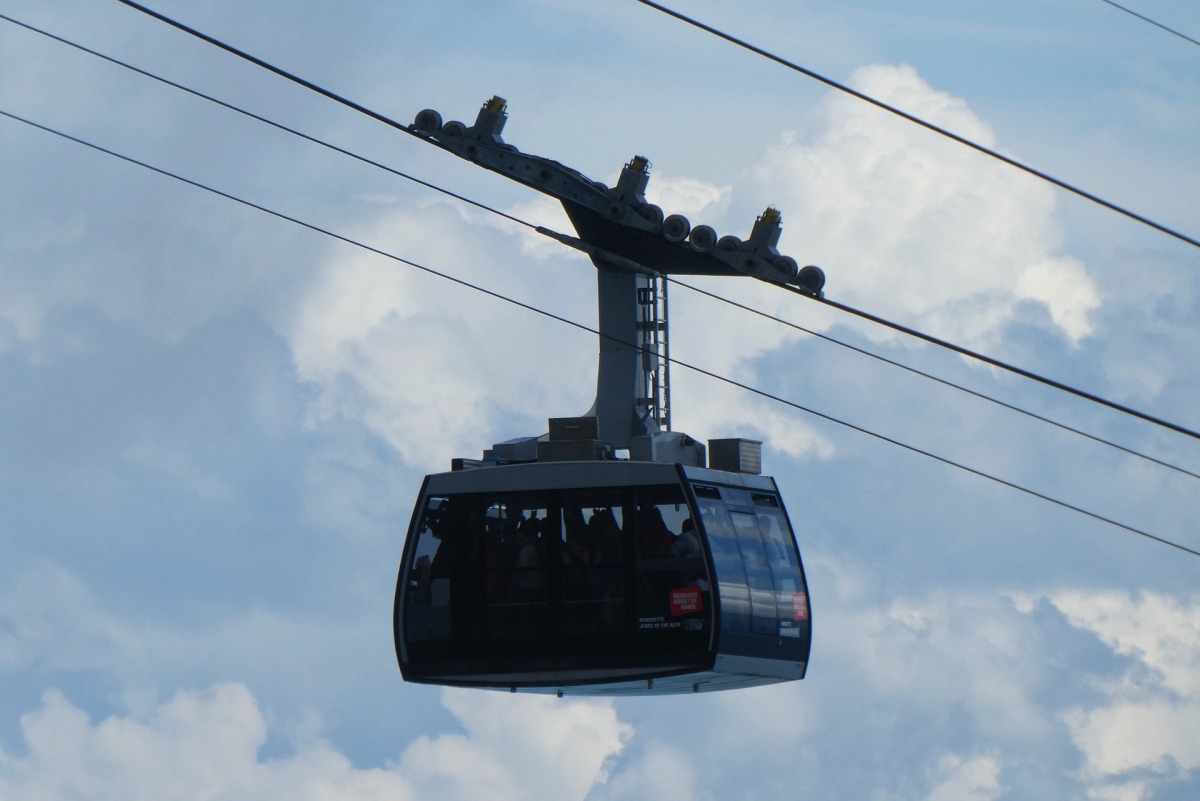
{"x": 905, "y": 223}
{"x": 517, "y": 747}
{"x": 1157, "y": 734}
{"x": 659, "y": 771}
{"x": 920, "y": 228}
{"x": 197, "y": 745}
{"x": 203, "y": 744}
{"x": 952, "y": 666}
{"x": 959, "y": 779}
{"x": 711, "y": 409}
{"x": 53, "y": 622}
{"x": 696, "y": 199}
{"x": 162, "y": 281}
{"x": 548, "y": 213}
{"x": 947, "y": 651}
{"x": 1150, "y": 716}
{"x": 429, "y": 365}
{"x": 927, "y": 232}
{"x": 947, "y": 689}
{"x": 1158, "y": 630}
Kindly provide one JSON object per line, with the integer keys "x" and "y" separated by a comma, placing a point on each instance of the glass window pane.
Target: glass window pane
{"x": 674, "y": 597}
{"x": 516, "y": 527}
{"x": 783, "y": 558}
{"x": 431, "y": 573}
{"x": 758, "y": 573}
{"x": 727, "y": 561}
{"x": 592, "y": 546}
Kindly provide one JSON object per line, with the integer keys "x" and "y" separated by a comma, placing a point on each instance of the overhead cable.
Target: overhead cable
{"x": 943, "y": 381}
{"x": 265, "y": 120}
{"x": 1144, "y": 18}
{"x": 380, "y": 117}
{"x": 573, "y": 242}
{"x": 962, "y": 140}
{"x": 1002, "y": 365}
{"x": 834, "y": 84}
{"x": 529, "y": 307}
{"x": 334, "y": 96}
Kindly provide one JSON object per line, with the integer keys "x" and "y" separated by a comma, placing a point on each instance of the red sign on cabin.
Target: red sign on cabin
{"x": 799, "y": 606}
{"x": 686, "y": 601}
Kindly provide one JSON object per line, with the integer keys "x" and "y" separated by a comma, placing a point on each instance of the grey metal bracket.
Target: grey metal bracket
{"x": 618, "y": 220}
{"x": 634, "y": 247}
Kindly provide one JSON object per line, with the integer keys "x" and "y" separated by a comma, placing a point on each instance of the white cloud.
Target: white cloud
{"x": 427, "y": 364}
{"x": 207, "y": 744}
{"x": 117, "y": 261}
{"x": 958, "y": 779}
{"x": 547, "y": 213}
{"x": 1063, "y": 286}
{"x": 904, "y": 223}
{"x": 1150, "y": 718}
{"x": 944, "y": 651}
{"x": 1158, "y": 630}
{"x": 952, "y": 666}
{"x": 659, "y": 771}
{"x": 915, "y": 230}
{"x": 1157, "y": 734}
{"x": 700, "y": 201}
{"x": 197, "y": 745}
{"x": 711, "y": 409}
{"x": 51, "y": 621}
{"x": 517, "y": 747}
{"x": 922, "y": 229}
{"x": 1129, "y": 791}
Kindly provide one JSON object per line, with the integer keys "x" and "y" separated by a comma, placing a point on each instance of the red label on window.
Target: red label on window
{"x": 799, "y": 606}
{"x": 686, "y": 601}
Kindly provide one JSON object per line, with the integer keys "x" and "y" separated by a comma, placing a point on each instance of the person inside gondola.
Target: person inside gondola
{"x": 654, "y": 538}
{"x": 686, "y": 545}
{"x": 434, "y": 613}
{"x": 529, "y": 573}
{"x": 607, "y": 574}
{"x": 655, "y": 576}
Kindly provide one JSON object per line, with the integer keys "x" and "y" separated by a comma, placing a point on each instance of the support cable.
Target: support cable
{"x": 577, "y": 244}
{"x": 963, "y": 351}
{"x": 1050, "y": 382}
{"x": 943, "y": 381}
{"x": 375, "y": 115}
{"x": 962, "y": 140}
{"x": 559, "y": 318}
{"x": 266, "y": 121}
{"x": 1152, "y": 22}
{"x": 778, "y": 59}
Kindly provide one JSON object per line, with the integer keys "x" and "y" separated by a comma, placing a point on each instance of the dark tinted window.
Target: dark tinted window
{"x": 674, "y": 595}
{"x": 431, "y": 578}
{"x": 727, "y": 562}
{"x": 592, "y": 556}
{"x": 518, "y": 531}
{"x": 758, "y": 573}
{"x": 756, "y": 561}
{"x": 791, "y": 596}
{"x": 552, "y": 575}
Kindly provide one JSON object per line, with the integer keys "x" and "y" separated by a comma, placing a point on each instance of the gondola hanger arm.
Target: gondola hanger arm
{"x": 618, "y": 219}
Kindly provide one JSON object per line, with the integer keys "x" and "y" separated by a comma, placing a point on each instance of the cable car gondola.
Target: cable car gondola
{"x": 601, "y": 577}
{"x": 610, "y": 555}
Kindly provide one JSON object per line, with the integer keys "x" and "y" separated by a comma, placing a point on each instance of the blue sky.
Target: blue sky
{"x": 213, "y": 422}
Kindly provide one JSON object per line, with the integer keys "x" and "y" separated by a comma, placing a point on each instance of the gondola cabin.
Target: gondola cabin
{"x": 601, "y": 577}
{"x": 553, "y": 566}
